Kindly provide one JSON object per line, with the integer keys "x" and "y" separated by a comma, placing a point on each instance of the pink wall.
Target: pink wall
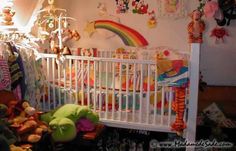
{"x": 218, "y": 61}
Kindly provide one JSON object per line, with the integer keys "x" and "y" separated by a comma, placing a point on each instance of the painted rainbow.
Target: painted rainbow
{"x": 129, "y": 36}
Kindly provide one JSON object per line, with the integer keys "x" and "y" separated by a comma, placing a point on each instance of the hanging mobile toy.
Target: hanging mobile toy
{"x": 122, "y": 6}
{"x": 219, "y": 33}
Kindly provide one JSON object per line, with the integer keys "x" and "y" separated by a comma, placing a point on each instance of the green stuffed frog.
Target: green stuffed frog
{"x": 63, "y": 120}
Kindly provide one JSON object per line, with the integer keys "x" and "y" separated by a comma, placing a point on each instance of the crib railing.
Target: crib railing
{"x": 125, "y": 93}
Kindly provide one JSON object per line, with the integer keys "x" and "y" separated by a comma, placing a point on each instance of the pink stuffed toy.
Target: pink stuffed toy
{"x": 85, "y": 125}
{"x": 210, "y": 8}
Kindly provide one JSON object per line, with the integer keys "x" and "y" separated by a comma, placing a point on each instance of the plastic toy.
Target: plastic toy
{"x": 196, "y": 27}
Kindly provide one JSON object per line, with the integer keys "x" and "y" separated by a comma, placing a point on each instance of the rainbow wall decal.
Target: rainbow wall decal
{"x": 129, "y": 36}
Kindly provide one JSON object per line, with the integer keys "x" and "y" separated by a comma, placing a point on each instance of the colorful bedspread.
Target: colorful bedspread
{"x": 173, "y": 72}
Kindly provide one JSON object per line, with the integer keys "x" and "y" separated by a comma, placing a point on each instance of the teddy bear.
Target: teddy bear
{"x": 7, "y": 15}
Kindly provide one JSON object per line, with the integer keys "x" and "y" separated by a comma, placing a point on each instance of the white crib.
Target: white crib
{"x": 118, "y": 104}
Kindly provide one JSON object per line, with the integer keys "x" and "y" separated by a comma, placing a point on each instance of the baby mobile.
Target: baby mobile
{"x": 53, "y": 24}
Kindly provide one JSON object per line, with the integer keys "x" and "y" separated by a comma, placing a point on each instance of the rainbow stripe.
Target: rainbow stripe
{"x": 129, "y": 36}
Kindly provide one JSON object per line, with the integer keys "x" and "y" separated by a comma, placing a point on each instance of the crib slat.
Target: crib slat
{"x": 59, "y": 84}
{"x": 127, "y": 91}
{"x": 169, "y": 105}
{"x": 95, "y": 85}
{"x": 88, "y": 83}
{"x": 76, "y": 82}
{"x": 53, "y": 79}
{"x": 113, "y": 90}
{"x": 155, "y": 99}
{"x": 141, "y": 95}
{"x": 134, "y": 92}
{"x": 148, "y": 95}
{"x": 162, "y": 104}
{"x": 186, "y": 104}
{"x": 82, "y": 82}
{"x": 106, "y": 115}
{"x": 120, "y": 88}
{"x": 70, "y": 67}
{"x": 65, "y": 89}
{"x": 49, "y": 86}
{"x": 100, "y": 88}
{"x": 42, "y": 106}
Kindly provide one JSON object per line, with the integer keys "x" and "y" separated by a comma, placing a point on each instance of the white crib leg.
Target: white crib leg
{"x": 193, "y": 102}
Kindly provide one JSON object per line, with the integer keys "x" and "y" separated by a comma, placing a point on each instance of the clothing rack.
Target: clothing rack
{"x": 19, "y": 37}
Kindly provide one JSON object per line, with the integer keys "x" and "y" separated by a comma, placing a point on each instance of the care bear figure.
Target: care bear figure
{"x": 7, "y": 15}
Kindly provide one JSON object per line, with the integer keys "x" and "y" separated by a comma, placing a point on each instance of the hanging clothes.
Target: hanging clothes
{"x": 16, "y": 73}
{"x": 21, "y": 66}
{"x": 5, "y": 78}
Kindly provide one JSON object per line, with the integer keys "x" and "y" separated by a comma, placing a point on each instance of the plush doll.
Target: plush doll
{"x": 27, "y": 125}
{"x": 7, "y": 15}
{"x": 17, "y": 148}
{"x": 196, "y": 27}
{"x": 63, "y": 121}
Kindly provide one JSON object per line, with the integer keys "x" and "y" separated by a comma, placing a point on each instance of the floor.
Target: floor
{"x": 223, "y": 96}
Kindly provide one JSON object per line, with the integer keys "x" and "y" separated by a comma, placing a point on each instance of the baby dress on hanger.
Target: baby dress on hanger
{"x": 5, "y": 78}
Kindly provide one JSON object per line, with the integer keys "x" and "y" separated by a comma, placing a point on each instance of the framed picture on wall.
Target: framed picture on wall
{"x": 171, "y": 8}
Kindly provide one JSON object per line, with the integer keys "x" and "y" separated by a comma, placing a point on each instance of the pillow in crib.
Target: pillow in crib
{"x": 166, "y": 53}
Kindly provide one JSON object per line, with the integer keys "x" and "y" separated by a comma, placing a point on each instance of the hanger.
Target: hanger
{"x": 51, "y": 8}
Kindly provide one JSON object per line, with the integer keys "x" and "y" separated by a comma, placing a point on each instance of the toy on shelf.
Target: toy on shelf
{"x": 7, "y": 14}
{"x": 196, "y": 27}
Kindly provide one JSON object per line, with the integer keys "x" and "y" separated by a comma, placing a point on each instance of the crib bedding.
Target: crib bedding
{"x": 109, "y": 84}
{"x": 173, "y": 72}
{"x": 71, "y": 95}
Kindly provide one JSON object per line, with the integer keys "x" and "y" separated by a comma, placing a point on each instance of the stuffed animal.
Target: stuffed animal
{"x": 7, "y": 15}
{"x": 63, "y": 121}
{"x": 27, "y": 124}
{"x": 17, "y": 148}
{"x": 196, "y": 27}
